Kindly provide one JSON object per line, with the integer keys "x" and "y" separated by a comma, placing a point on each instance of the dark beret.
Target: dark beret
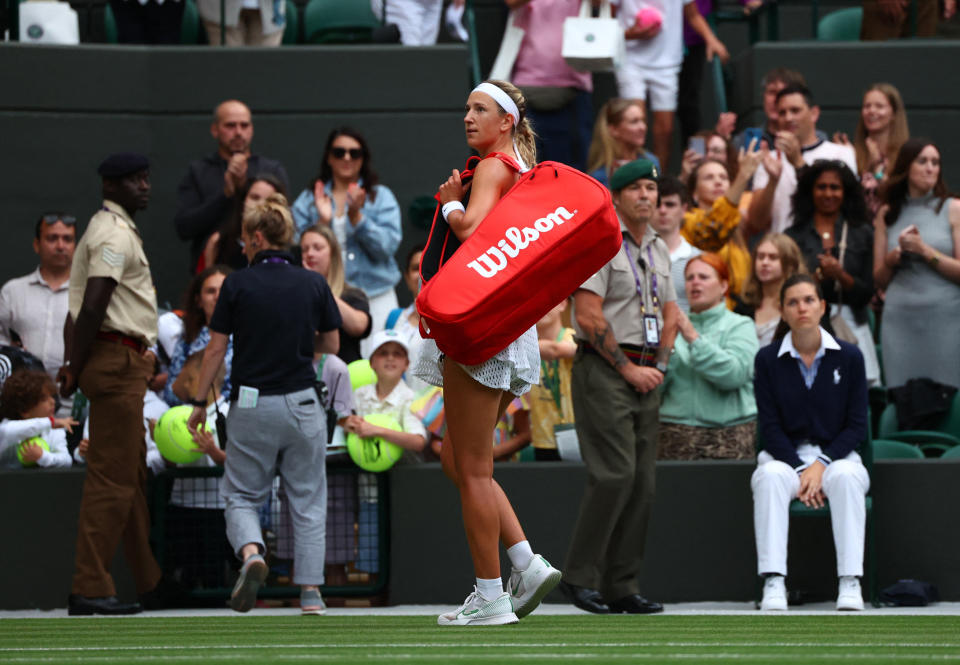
{"x": 122, "y": 164}
{"x": 635, "y": 170}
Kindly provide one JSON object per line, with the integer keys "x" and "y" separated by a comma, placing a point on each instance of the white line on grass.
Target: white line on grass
{"x": 566, "y": 655}
{"x": 489, "y": 645}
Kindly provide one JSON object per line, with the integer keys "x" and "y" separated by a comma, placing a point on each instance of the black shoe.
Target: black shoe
{"x": 588, "y": 600}
{"x": 634, "y": 604}
{"x": 84, "y": 606}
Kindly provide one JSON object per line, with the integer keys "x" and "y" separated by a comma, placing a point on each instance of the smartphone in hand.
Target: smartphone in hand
{"x": 698, "y": 144}
{"x": 749, "y": 135}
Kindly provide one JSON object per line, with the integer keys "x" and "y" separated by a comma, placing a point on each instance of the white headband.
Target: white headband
{"x": 501, "y": 98}
{"x": 509, "y": 106}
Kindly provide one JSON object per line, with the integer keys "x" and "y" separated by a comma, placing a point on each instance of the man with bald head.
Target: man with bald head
{"x": 215, "y": 184}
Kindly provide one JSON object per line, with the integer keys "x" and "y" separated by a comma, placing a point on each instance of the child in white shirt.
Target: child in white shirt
{"x": 28, "y": 404}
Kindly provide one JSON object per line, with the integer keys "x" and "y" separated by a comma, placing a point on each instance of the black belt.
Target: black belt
{"x": 638, "y": 355}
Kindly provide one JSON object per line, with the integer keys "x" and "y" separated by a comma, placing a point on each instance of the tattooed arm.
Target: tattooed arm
{"x": 596, "y": 330}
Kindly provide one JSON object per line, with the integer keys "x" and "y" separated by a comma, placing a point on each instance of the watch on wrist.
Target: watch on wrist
{"x": 662, "y": 368}
{"x": 201, "y": 403}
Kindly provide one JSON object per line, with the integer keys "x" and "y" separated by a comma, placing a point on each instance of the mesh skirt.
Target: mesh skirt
{"x": 515, "y": 368}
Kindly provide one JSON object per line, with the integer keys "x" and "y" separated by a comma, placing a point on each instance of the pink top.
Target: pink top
{"x": 539, "y": 62}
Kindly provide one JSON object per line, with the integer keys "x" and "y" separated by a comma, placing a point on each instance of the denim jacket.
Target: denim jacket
{"x": 371, "y": 244}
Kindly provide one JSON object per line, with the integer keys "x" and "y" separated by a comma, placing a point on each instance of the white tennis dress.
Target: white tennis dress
{"x": 515, "y": 368}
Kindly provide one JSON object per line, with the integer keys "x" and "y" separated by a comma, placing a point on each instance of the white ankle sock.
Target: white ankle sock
{"x": 520, "y": 554}
{"x": 490, "y": 589}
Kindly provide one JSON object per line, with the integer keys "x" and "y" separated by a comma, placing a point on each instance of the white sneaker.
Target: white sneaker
{"x": 528, "y": 587}
{"x": 478, "y": 611}
{"x": 850, "y": 596}
{"x": 774, "y": 594}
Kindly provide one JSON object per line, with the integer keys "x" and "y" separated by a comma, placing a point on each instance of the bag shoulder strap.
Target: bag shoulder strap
{"x": 843, "y": 251}
{"x": 392, "y": 318}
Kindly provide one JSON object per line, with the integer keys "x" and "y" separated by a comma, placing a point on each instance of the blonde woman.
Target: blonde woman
{"x": 476, "y": 396}
{"x": 618, "y": 137}
{"x": 278, "y": 315}
{"x": 775, "y": 259}
{"x": 881, "y": 132}
{"x": 320, "y": 253}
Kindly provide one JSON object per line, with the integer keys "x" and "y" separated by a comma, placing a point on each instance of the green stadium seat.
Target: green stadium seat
{"x": 932, "y": 442}
{"x": 842, "y": 25}
{"x": 887, "y": 449}
{"x": 953, "y": 453}
{"x": 339, "y": 22}
{"x": 291, "y": 33}
{"x": 191, "y": 29}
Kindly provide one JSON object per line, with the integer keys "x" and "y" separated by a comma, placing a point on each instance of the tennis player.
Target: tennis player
{"x": 475, "y": 396}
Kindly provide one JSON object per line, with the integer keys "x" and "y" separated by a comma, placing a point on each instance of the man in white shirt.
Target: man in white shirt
{"x": 798, "y": 145}
{"x": 674, "y": 203}
{"x": 33, "y": 308}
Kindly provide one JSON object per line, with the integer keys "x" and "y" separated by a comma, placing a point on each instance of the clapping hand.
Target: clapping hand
{"x": 789, "y": 145}
{"x": 322, "y": 202}
{"x": 910, "y": 240}
{"x": 356, "y": 197}
{"x": 771, "y": 162}
{"x": 236, "y": 174}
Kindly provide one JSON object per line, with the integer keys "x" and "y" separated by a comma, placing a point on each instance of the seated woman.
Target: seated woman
{"x": 618, "y": 138}
{"x": 812, "y": 414}
{"x": 223, "y": 246}
{"x": 184, "y": 371}
{"x": 320, "y": 252}
{"x": 713, "y": 225}
{"x": 776, "y": 258}
{"x": 831, "y": 228}
{"x": 363, "y": 214}
{"x": 708, "y": 410}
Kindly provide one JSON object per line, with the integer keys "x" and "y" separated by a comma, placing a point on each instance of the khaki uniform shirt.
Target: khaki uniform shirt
{"x": 112, "y": 247}
{"x": 616, "y": 284}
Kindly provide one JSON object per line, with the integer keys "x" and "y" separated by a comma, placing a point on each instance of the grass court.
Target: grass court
{"x": 258, "y": 640}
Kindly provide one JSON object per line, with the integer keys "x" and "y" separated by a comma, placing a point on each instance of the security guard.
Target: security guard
{"x": 625, "y": 320}
{"x": 110, "y": 327}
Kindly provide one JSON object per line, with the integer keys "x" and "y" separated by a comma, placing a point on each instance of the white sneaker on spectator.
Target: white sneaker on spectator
{"x": 528, "y": 587}
{"x": 774, "y": 594}
{"x": 850, "y": 596}
{"x": 478, "y": 611}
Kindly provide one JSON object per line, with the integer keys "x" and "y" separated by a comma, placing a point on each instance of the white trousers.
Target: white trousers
{"x": 775, "y": 484}
{"x": 418, "y": 20}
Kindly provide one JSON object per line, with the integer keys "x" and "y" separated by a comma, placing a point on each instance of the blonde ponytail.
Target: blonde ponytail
{"x": 523, "y": 133}
{"x": 272, "y": 218}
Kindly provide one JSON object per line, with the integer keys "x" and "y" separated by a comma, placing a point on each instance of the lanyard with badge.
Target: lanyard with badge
{"x": 651, "y": 327}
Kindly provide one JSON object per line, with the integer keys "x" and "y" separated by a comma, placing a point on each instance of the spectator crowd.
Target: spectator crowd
{"x": 780, "y": 247}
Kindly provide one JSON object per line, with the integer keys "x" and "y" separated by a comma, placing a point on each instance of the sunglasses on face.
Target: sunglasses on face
{"x": 69, "y": 220}
{"x": 340, "y": 153}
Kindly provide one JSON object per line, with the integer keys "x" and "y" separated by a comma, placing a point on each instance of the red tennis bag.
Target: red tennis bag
{"x": 550, "y": 232}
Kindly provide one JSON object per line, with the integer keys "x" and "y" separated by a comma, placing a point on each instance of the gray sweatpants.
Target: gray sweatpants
{"x": 284, "y": 433}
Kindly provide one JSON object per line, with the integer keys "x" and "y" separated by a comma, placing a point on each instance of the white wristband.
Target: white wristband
{"x": 450, "y": 206}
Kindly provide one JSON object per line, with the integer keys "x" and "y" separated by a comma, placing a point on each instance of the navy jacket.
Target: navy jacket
{"x": 831, "y": 414}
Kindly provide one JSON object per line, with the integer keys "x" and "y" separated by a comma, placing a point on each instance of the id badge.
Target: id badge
{"x": 651, "y": 330}
{"x": 247, "y": 398}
